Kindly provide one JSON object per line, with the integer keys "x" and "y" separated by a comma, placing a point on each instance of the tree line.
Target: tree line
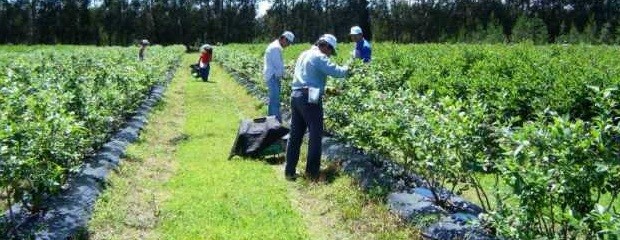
{"x": 539, "y": 21}
{"x": 123, "y": 22}
{"x": 191, "y": 22}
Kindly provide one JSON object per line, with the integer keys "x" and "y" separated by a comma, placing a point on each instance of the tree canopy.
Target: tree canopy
{"x": 191, "y": 22}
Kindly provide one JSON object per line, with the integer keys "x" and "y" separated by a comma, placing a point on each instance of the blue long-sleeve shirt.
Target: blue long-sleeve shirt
{"x": 313, "y": 67}
{"x": 363, "y": 50}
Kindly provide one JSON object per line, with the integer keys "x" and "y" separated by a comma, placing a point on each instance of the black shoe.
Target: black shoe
{"x": 312, "y": 177}
{"x": 291, "y": 177}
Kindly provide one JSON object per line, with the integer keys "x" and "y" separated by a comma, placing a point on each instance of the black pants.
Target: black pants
{"x": 305, "y": 115}
{"x": 204, "y": 72}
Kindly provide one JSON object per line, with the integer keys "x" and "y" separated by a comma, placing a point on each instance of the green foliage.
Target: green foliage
{"x": 529, "y": 29}
{"x": 558, "y": 169}
{"x": 57, "y": 106}
{"x": 572, "y": 36}
{"x": 540, "y": 120}
{"x": 606, "y": 34}
{"x": 194, "y": 22}
{"x": 491, "y": 33}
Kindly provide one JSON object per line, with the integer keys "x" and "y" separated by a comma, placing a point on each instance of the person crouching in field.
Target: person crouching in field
{"x": 311, "y": 70}
{"x": 204, "y": 63}
{"x": 273, "y": 71}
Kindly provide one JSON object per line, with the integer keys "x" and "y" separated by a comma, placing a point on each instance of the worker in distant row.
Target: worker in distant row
{"x": 204, "y": 62}
{"x": 273, "y": 71}
{"x": 362, "y": 47}
{"x": 311, "y": 70}
{"x": 143, "y": 44}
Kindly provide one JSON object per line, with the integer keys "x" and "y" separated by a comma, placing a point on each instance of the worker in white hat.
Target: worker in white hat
{"x": 143, "y": 44}
{"x": 311, "y": 70}
{"x": 362, "y": 47}
{"x": 273, "y": 71}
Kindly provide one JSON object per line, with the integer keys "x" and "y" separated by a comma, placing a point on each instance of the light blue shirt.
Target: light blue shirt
{"x": 313, "y": 67}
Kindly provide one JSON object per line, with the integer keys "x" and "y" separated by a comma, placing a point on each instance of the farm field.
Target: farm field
{"x": 530, "y": 132}
{"x": 177, "y": 182}
{"x": 58, "y": 104}
{"x": 154, "y": 192}
{"x": 489, "y": 119}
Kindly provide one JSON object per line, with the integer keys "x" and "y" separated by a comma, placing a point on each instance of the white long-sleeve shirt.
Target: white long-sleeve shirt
{"x": 274, "y": 64}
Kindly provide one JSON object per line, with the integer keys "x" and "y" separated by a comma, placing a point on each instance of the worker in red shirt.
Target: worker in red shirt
{"x": 206, "y": 53}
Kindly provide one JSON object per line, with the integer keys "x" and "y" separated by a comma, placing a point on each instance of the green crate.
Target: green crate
{"x": 273, "y": 149}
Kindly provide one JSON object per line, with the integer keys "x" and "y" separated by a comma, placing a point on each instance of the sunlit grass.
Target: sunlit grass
{"x": 193, "y": 192}
{"x": 129, "y": 208}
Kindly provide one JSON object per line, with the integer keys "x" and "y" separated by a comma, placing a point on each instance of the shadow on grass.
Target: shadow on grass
{"x": 330, "y": 173}
{"x": 276, "y": 160}
{"x": 179, "y": 139}
{"x": 161, "y": 104}
{"x": 135, "y": 158}
{"x": 327, "y": 175}
{"x": 209, "y": 81}
{"x": 271, "y": 160}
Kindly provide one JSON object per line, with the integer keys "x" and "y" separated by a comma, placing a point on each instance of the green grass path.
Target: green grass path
{"x": 212, "y": 197}
{"x": 176, "y": 183}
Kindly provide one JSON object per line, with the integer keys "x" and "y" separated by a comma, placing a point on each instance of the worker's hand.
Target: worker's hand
{"x": 331, "y": 91}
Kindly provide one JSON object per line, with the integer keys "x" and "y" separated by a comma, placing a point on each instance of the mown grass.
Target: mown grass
{"x": 340, "y": 210}
{"x": 334, "y": 209}
{"x": 177, "y": 183}
{"x": 130, "y": 206}
{"x": 215, "y": 198}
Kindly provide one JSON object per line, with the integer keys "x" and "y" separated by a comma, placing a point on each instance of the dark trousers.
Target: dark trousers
{"x": 204, "y": 72}
{"x": 310, "y": 116}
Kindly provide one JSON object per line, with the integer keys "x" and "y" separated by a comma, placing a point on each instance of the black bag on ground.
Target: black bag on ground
{"x": 256, "y": 135}
{"x": 195, "y": 70}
